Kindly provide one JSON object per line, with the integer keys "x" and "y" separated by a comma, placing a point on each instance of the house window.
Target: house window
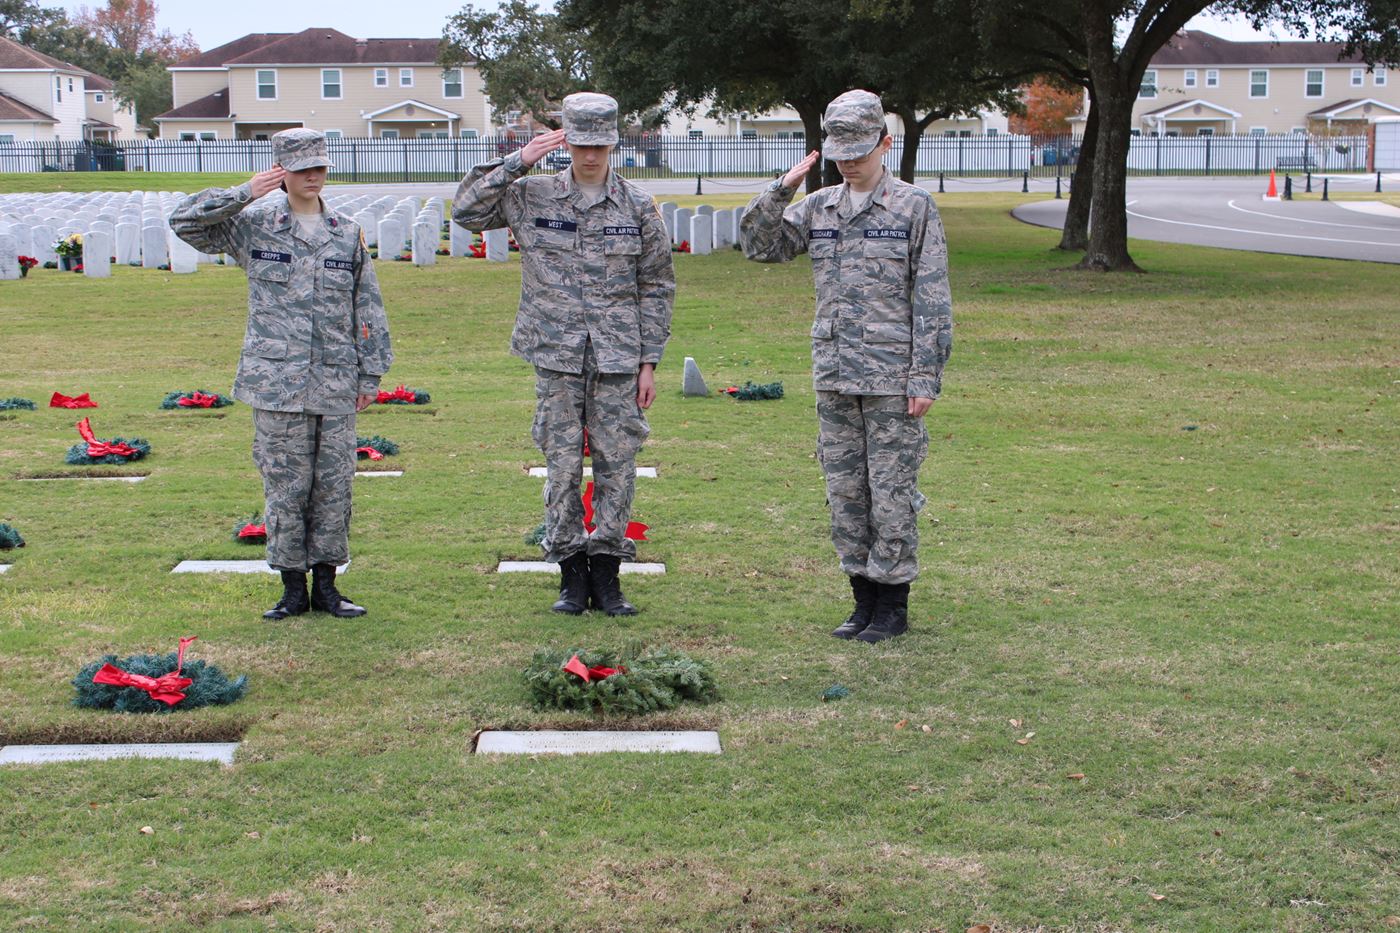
{"x": 1379, "y": 76}
{"x": 1358, "y": 77}
{"x": 388, "y": 134}
{"x": 70, "y": 85}
{"x": 334, "y": 134}
{"x": 1205, "y": 131}
{"x": 186, "y": 137}
{"x": 748, "y": 134}
{"x": 1258, "y": 131}
{"x": 433, "y": 134}
{"x": 1190, "y": 77}
{"x": 381, "y": 77}
{"x": 950, "y": 133}
{"x": 964, "y": 133}
{"x": 98, "y": 97}
{"x": 330, "y": 84}
{"x": 452, "y": 82}
{"x": 1212, "y": 77}
{"x": 696, "y": 134}
{"x": 468, "y": 134}
{"x": 267, "y": 85}
{"x": 1297, "y": 131}
{"x": 1149, "y": 84}
{"x": 405, "y": 77}
{"x": 1312, "y": 83}
{"x": 1134, "y": 132}
{"x": 1259, "y": 83}
{"x": 58, "y": 89}
{"x": 208, "y": 136}
{"x": 991, "y": 131}
{"x": 7, "y": 139}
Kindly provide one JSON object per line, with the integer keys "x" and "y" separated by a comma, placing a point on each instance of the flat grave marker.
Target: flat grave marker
{"x": 503, "y": 742}
{"x": 642, "y": 472}
{"x": 183, "y": 751}
{"x": 233, "y": 566}
{"x": 544, "y": 566}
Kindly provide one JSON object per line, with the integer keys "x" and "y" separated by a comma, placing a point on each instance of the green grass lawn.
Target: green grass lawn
{"x": 1161, "y": 535}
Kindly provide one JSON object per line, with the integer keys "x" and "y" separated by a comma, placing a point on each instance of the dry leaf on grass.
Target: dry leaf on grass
{"x": 980, "y": 928}
{"x": 1015, "y": 723}
{"x": 1023, "y": 741}
{"x": 147, "y": 831}
{"x": 928, "y": 730}
{"x": 1157, "y": 897}
{"x": 1076, "y": 776}
{"x": 901, "y": 724}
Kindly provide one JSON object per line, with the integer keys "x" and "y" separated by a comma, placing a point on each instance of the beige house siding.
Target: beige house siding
{"x": 299, "y": 98}
{"x": 1284, "y": 109}
{"x": 27, "y": 132}
{"x": 190, "y": 85}
{"x": 171, "y": 129}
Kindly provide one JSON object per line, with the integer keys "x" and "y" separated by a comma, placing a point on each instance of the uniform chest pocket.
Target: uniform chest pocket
{"x": 269, "y": 270}
{"x": 824, "y": 248}
{"x": 338, "y": 274}
{"x": 554, "y": 234}
{"x": 885, "y": 249}
{"x": 623, "y": 244}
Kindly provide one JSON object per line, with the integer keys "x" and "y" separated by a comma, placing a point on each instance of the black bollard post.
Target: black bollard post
{"x": 940, "y": 182}
{"x": 697, "y": 185}
{"x": 1288, "y": 187}
{"x": 1378, "y": 183}
{"x": 1057, "y": 188}
{"x": 1025, "y": 182}
{"x": 1308, "y": 189}
{"x": 1324, "y": 189}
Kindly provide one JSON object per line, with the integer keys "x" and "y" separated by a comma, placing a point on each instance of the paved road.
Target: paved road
{"x": 1231, "y": 214}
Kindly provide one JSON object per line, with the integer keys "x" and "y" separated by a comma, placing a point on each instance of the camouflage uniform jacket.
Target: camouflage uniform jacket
{"x": 884, "y": 322}
{"x": 317, "y": 333}
{"x": 599, "y": 272}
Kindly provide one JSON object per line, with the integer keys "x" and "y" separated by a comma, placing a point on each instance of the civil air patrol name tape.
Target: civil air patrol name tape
{"x": 268, "y": 255}
{"x": 545, "y": 223}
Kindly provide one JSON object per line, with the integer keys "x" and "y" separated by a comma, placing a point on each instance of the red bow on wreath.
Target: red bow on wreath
{"x": 252, "y": 531}
{"x": 369, "y": 452}
{"x": 197, "y": 399}
{"x": 60, "y": 400}
{"x": 635, "y": 530}
{"x": 590, "y": 674}
{"x": 398, "y": 395}
{"x": 96, "y": 448}
{"x": 167, "y": 688}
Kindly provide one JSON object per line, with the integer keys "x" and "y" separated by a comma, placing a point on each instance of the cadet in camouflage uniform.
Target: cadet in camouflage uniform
{"x": 596, "y": 292}
{"x": 316, "y": 346}
{"x": 883, "y": 330}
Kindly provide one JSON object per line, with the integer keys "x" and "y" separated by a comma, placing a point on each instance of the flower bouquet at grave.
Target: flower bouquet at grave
{"x": 196, "y": 399}
{"x": 155, "y": 683}
{"x": 10, "y": 537}
{"x": 631, "y": 681}
{"x": 116, "y": 451}
{"x": 403, "y": 396}
{"x": 70, "y": 246}
{"x": 25, "y": 264}
{"x": 374, "y": 448}
{"x": 252, "y": 531}
{"x": 682, "y": 247}
{"x": 751, "y": 392}
{"x": 15, "y": 404}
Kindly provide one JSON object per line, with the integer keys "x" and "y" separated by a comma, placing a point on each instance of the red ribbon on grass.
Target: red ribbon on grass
{"x": 167, "y": 688}
{"x": 589, "y": 674}
{"x": 635, "y": 530}
{"x": 98, "y": 448}
{"x": 60, "y": 400}
{"x": 252, "y": 531}
{"x": 400, "y": 394}
{"x": 198, "y": 399}
{"x": 369, "y": 452}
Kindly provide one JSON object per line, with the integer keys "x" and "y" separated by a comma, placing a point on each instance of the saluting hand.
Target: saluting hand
{"x": 266, "y": 182}
{"x": 799, "y": 171}
{"x": 536, "y": 148}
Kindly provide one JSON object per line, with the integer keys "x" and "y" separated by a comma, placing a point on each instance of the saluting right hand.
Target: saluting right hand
{"x": 799, "y": 171}
{"x": 538, "y": 147}
{"x": 266, "y": 182}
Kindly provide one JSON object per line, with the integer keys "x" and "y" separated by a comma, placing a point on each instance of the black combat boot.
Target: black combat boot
{"x": 864, "y": 592}
{"x": 294, "y": 600}
{"x": 603, "y": 587}
{"x": 573, "y": 584}
{"x": 891, "y": 613}
{"x": 325, "y": 597}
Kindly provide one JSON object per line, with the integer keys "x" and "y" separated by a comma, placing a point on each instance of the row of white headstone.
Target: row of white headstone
{"x": 704, "y": 228}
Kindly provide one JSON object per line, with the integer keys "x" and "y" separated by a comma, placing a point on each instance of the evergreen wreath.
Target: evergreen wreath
{"x": 207, "y": 685}
{"x": 381, "y": 447}
{"x": 15, "y": 404}
{"x": 251, "y": 531}
{"x": 196, "y": 399}
{"x": 631, "y": 681}
{"x": 536, "y": 537}
{"x": 116, "y": 451}
{"x": 403, "y": 396}
{"x": 9, "y": 537}
{"x": 751, "y": 392}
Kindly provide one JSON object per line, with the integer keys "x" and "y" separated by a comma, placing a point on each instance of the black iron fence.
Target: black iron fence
{"x": 409, "y": 160}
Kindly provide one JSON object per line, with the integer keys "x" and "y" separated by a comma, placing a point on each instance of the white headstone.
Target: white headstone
{"x": 184, "y": 258}
{"x": 724, "y": 229}
{"x": 153, "y": 251}
{"x": 702, "y": 234}
{"x": 43, "y": 244}
{"x": 681, "y": 225}
{"x": 24, "y": 238}
{"x": 370, "y": 225}
{"x": 692, "y": 383}
{"x": 9, "y": 257}
{"x": 390, "y": 238}
{"x": 425, "y": 243}
{"x": 459, "y": 239}
{"x": 738, "y": 219}
{"x": 97, "y": 255}
{"x": 497, "y": 244}
{"x": 128, "y": 243}
{"x": 704, "y": 209}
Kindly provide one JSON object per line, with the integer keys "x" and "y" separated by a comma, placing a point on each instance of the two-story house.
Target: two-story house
{"x": 1200, "y": 85}
{"x": 43, "y": 99}
{"x": 323, "y": 79}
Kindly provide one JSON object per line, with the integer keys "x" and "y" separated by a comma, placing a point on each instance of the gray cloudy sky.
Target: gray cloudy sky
{"x": 214, "y": 23}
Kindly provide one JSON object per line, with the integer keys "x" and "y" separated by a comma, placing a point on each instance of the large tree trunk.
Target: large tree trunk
{"x": 1108, "y": 211}
{"x": 812, "y": 127}
{"x": 1081, "y": 193}
{"x": 909, "y": 148}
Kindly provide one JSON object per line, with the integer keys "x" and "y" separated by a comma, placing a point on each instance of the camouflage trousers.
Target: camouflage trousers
{"x": 870, "y": 451}
{"x": 605, "y": 404}
{"x": 307, "y": 464}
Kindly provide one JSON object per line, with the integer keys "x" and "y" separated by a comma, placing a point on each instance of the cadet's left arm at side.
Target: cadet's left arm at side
{"x": 656, "y": 284}
{"x": 932, "y": 303}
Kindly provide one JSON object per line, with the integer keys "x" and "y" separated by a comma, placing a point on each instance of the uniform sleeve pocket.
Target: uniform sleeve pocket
{"x": 269, "y": 270}
{"x": 266, "y": 348}
{"x": 887, "y": 333}
{"x": 822, "y": 328}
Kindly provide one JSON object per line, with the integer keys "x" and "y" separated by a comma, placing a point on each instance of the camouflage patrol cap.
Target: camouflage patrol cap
{"x": 852, "y": 125}
{"x": 590, "y": 120}
{"x": 299, "y": 149}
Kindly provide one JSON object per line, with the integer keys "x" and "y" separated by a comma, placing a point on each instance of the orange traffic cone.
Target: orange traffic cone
{"x": 1273, "y": 187}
